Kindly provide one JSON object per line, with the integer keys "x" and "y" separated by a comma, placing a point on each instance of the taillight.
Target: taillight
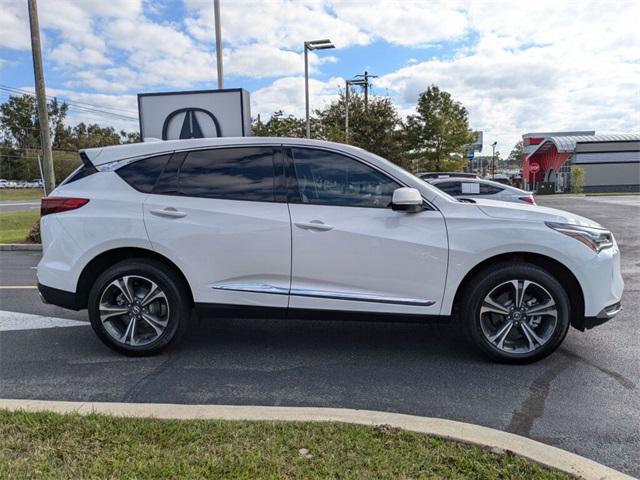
{"x": 60, "y": 204}
{"x": 528, "y": 199}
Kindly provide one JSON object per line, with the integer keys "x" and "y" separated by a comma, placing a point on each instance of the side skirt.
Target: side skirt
{"x": 219, "y": 310}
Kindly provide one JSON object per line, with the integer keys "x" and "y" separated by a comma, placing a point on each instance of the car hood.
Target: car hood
{"x": 515, "y": 211}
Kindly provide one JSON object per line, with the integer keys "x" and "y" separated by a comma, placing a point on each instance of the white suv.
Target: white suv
{"x": 141, "y": 234}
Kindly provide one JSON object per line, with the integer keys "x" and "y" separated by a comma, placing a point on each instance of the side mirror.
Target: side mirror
{"x": 406, "y": 200}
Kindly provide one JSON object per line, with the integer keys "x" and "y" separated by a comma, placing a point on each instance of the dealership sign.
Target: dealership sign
{"x": 197, "y": 114}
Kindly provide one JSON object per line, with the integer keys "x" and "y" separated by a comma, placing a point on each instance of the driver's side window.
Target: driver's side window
{"x": 328, "y": 178}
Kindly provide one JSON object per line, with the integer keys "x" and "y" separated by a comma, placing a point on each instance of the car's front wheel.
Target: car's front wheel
{"x": 138, "y": 307}
{"x": 516, "y": 313}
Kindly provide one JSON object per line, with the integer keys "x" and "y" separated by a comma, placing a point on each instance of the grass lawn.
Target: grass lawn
{"x": 54, "y": 446}
{"x": 14, "y": 226}
{"x": 7, "y": 194}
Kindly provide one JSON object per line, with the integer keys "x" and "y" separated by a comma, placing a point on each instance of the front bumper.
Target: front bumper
{"x": 605, "y": 315}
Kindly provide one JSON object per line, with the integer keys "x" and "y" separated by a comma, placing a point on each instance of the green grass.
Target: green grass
{"x": 14, "y": 226}
{"x": 7, "y": 194}
{"x": 53, "y": 446}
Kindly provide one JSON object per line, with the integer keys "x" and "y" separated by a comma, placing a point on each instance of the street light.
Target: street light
{"x": 348, "y": 84}
{"x": 311, "y": 45}
{"x": 493, "y": 161}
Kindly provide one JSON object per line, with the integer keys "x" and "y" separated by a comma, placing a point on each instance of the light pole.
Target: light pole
{"x": 348, "y": 84}
{"x": 311, "y": 45}
{"x": 216, "y": 14}
{"x": 493, "y": 161}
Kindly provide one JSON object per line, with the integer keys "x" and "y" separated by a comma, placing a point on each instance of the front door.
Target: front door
{"x": 221, "y": 215}
{"x": 350, "y": 250}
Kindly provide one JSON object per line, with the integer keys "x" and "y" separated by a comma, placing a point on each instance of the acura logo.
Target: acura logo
{"x": 193, "y": 123}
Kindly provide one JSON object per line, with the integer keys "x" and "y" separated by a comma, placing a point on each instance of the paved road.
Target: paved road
{"x": 585, "y": 398}
{"x": 19, "y": 206}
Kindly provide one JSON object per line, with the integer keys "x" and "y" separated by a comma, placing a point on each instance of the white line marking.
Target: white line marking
{"x": 19, "y": 204}
{"x": 11, "y": 321}
{"x": 15, "y": 287}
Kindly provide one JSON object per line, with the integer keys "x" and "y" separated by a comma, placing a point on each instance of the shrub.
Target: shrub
{"x": 34, "y": 233}
{"x": 577, "y": 179}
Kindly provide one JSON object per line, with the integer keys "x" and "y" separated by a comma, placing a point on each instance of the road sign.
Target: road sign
{"x": 470, "y": 154}
{"x": 534, "y": 167}
{"x": 197, "y": 114}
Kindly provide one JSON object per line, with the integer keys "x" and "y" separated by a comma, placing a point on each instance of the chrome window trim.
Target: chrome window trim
{"x": 301, "y": 292}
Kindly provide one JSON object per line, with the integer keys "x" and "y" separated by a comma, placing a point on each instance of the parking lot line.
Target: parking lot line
{"x": 9, "y": 287}
{"x": 11, "y": 321}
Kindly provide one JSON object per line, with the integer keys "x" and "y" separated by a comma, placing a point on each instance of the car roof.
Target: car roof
{"x": 103, "y": 155}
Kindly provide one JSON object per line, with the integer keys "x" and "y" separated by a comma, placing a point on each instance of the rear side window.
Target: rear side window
{"x": 229, "y": 173}
{"x": 489, "y": 189}
{"x": 143, "y": 174}
{"x": 452, "y": 188}
{"x": 85, "y": 170}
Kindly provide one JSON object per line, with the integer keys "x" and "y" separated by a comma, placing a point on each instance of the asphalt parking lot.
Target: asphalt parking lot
{"x": 585, "y": 398}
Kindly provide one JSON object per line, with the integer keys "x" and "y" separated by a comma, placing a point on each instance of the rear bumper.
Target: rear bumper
{"x": 605, "y": 315}
{"x": 61, "y": 298}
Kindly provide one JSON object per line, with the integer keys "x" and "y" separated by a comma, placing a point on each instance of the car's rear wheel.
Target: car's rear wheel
{"x": 516, "y": 313}
{"x": 138, "y": 307}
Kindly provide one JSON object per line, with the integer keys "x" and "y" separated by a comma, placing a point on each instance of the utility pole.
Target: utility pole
{"x": 366, "y": 85}
{"x": 216, "y": 12}
{"x": 493, "y": 161}
{"x": 41, "y": 97}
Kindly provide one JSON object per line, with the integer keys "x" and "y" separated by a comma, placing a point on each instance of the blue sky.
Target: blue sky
{"x": 516, "y": 66}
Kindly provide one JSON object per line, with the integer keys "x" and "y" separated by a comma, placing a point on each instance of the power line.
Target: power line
{"x": 75, "y": 106}
{"x": 19, "y": 90}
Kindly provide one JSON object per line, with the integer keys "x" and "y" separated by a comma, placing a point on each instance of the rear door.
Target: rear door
{"x": 351, "y": 251}
{"x": 221, "y": 215}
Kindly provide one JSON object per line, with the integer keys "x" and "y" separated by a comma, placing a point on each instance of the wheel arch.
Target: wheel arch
{"x": 105, "y": 259}
{"x": 560, "y": 271}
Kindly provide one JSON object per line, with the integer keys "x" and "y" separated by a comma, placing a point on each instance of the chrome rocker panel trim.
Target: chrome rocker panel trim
{"x": 358, "y": 297}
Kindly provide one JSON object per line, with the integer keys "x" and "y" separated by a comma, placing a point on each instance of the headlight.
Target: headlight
{"x": 595, "y": 238}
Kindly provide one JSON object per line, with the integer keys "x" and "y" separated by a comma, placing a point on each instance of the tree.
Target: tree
{"x": 19, "y": 124}
{"x": 20, "y": 138}
{"x": 515, "y": 157}
{"x": 280, "y": 126}
{"x": 376, "y": 128}
{"x": 437, "y": 134}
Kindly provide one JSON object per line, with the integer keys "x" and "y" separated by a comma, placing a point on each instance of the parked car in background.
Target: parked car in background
{"x": 479, "y": 188}
{"x": 503, "y": 179}
{"x": 143, "y": 233}
{"x": 430, "y": 175}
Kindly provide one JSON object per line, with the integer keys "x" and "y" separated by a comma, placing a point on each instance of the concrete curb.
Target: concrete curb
{"x": 546, "y": 455}
{"x": 20, "y": 247}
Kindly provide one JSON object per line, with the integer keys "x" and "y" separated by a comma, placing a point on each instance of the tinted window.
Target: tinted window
{"x": 142, "y": 174}
{"x": 83, "y": 171}
{"x": 326, "y": 178}
{"x": 229, "y": 173}
{"x": 489, "y": 189}
{"x": 452, "y": 188}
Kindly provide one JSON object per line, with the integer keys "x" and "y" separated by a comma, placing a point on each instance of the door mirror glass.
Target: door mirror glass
{"x": 406, "y": 200}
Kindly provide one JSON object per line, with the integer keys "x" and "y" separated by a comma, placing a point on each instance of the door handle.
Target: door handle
{"x": 314, "y": 225}
{"x": 168, "y": 212}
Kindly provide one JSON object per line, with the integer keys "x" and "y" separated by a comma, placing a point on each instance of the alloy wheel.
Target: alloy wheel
{"x": 518, "y": 316}
{"x": 134, "y": 310}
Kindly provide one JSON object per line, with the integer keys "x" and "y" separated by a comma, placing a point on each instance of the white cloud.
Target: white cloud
{"x": 287, "y": 94}
{"x": 14, "y": 26}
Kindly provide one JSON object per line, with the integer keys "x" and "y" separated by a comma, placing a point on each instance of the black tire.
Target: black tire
{"x": 177, "y": 300}
{"x": 484, "y": 282}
